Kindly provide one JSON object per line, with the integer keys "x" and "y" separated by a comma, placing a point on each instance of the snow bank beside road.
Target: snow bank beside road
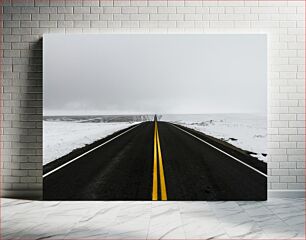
{"x": 245, "y": 131}
{"x": 61, "y": 137}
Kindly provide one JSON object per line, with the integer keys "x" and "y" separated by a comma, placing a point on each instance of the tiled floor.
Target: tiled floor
{"x": 274, "y": 219}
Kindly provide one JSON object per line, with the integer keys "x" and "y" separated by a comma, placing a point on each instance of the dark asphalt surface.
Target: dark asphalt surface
{"x": 122, "y": 170}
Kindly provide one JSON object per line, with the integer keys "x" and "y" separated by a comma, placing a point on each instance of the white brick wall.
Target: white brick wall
{"x": 24, "y": 22}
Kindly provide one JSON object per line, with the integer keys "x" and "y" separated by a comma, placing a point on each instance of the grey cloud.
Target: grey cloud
{"x": 154, "y": 73}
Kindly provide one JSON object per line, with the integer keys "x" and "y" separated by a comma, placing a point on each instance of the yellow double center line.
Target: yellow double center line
{"x": 158, "y": 161}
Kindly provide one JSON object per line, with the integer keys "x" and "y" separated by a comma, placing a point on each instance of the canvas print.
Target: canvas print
{"x": 155, "y": 117}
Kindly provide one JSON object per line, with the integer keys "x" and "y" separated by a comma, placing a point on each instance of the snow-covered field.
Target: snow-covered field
{"x": 246, "y": 131}
{"x": 61, "y": 137}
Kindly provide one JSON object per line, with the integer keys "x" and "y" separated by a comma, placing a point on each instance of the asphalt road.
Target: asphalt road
{"x": 168, "y": 162}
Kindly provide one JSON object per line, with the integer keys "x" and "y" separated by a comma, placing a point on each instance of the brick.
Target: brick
{"x": 81, "y": 10}
{"x": 47, "y": 24}
{"x": 98, "y": 24}
{"x": 301, "y": 116}
{"x": 288, "y": 53}
{"x": 176, "y": 17}
{"x": 288, "y": 179}
{"x": 21, "y": 17}
{"x": 6, "y": 31}
{"x": 65, "y": 24}
{"x": 264, "y": 24}
{"x": 104, "y": 17}
{"x": 166, "y": 10}
{"x": 29, "y": 24}
{"x": 121, "y": 3}
{"x": 57, "y": 2}
{"x": 287, "y": 145}
{"x": 42, "y": 3}
{"x": 159, "y": 3}
{"x": 228, "y": 17}
{"x": 36, "y": 173}
{"x": 296, "y": 158}
{"x": 11, "y": 24}
{"x": 296, "y": 186}
{"x": 91, "y": 16}
{"x": 193, "y": 17}
{"x": 289, "y": 103}
{"x": 139, "y": 17}
{"x": 96, "y": 10}
{"x": 287, "y": 131}
{"x": 20, "y": 46}
{"x": 176, "y": 3}
{"x": 129, "y": 10}
{"x": 11, "y": 38}
{"x": 267, "y": 10}
{"x": 111, "y": 10}
{"x": 73, "y": 17}
{"x": 29, "y": 10}
{"x": 91, "y": 3}
{"x": 210, "y": 17}
{"x": 277, "y": 186}
{"x": 74, "y": 3}
{"x": 7, "y": 17}
{"x": 82, "y": 24}
{"x": 296, "y": 151}
{"x": 202, "y": 10}
{"x": 63, "y": 10}
{"x": 130, "y": 24}
{"x": 23, "y": 3}
{"x": 300, "y": 179}
{"x": 121, "y": 17}
{"x": 57, "y": 17}
{"x": 185, "y": 24}
{"x": 28, "y": 179}
{"x": 147, "y": 9}
{"x": 189, "y": 3}
{"x": 160, "y": 17}
{"x": 186, "y": 9}
{"x": 288, "y": 165}
{"x": 242, "y": 10}
{"x": 280, "y": 172}
{"x": 38, "y": 31}
{"x": 11, "y": 179}
{"x": 11, "y": 10}
{"x": 114, "y": 24}
{"x": 40, "y": 16}
{"x": 222, "y": 24}
{"x": 148, "y": 24}
{"x": 21, "y": 31}
{"x": 28, "y": 165}
{"x": 137, "y": 3}
{"x": 19, "y": 173}
{"x": 11, "y": 53}
{"x": 167, "y": 24}
{"x": 230, "y": 3}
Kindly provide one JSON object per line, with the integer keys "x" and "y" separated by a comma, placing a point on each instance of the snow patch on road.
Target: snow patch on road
{"x": 245, "y": 131}
{"x": 62, "y": 137}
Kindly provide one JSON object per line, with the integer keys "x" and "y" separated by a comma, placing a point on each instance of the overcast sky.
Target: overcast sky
{"x": 154, "y": 73}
